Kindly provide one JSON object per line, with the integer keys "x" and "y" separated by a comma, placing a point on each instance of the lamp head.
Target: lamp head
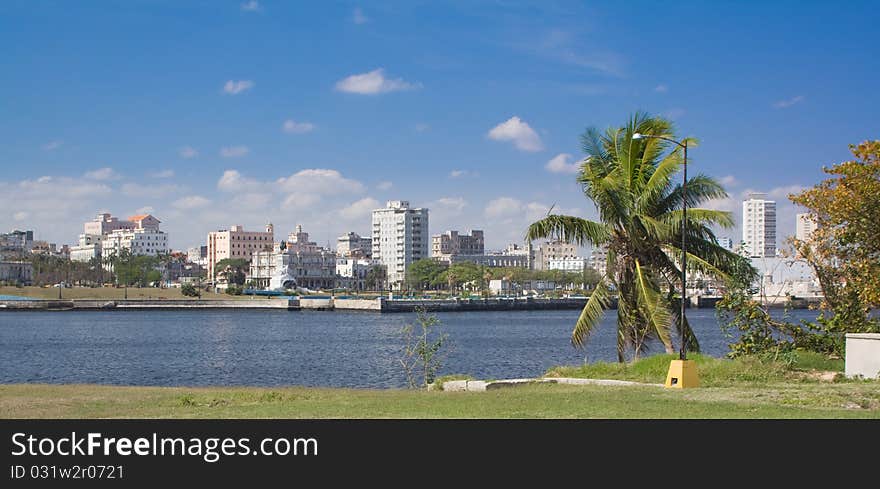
{"x": 637, "y": 135}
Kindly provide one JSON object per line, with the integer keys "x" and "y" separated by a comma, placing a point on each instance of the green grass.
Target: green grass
{"x": 777, "y": 400}
{"x": 713, "y": 372}
{"x": 741, "y": 388}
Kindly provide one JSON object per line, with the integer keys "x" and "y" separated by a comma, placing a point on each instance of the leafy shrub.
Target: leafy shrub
{"x": 189, "y": 290}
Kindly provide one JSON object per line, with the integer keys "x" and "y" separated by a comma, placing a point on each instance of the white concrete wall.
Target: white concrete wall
{"x": 863, "y": 355}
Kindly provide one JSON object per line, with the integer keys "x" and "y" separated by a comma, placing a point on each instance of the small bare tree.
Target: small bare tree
{"x": 422, "y": 353}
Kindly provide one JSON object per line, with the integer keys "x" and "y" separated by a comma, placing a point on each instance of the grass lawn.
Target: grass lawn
{"x": 109, "y": 293}
{"x": 733, "y": 389}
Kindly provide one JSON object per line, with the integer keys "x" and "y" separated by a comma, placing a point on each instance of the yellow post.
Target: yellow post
{"x": 682, "y": 375}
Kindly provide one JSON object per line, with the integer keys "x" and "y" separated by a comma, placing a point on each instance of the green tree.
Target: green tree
{"x": 422, "y": 274}
{"x": 630, "y": 181}
{"x": 423, "y": 349}
{"x": 232, "y": 270}
{"x": 375, "y": 278}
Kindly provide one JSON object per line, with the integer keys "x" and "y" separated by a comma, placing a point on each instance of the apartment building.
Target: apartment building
{"x": 400, "y": 237}
{"x": 236, "y": 243}
{"x": 759, "y": 226}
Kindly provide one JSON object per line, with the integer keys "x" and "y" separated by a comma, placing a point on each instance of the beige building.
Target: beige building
{"x": 553, "y": 250}
{"x": 353, "y": 245}
{"x": 453, "y": 243}
{"x": 236, "y": 243}
{"x": 105, "y": 224}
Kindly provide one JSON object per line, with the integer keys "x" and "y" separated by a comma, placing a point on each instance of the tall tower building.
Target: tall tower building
{"x": 759, "y": 226}
{"x": 804, "y": 226}
{"x": 400, "y": 237}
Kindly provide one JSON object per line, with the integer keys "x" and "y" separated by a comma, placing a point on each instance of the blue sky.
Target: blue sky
{"x": 212, "y": 113}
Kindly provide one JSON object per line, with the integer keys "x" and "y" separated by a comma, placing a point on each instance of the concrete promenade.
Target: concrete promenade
{"x": 380, "y": 304}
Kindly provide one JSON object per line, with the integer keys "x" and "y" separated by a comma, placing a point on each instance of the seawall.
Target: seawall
{"x": 130, "y": 304}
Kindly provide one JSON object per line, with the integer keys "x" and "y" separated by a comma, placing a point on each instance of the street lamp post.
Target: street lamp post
{"x": 686, "y": 368}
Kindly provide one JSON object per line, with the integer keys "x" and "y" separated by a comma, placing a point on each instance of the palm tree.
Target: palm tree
{"x": 630, "y": 182}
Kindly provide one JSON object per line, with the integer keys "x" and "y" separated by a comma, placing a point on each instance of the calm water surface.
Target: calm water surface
{"x": 273, "y": 348}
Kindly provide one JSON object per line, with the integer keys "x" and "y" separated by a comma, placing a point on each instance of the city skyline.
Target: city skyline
{"x": 209, "y": 117}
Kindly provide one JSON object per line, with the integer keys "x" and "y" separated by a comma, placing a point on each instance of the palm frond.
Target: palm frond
{"x": 591, "y": 314}
{"x": 652, "y": 306}
{"x": 568, "y": 228}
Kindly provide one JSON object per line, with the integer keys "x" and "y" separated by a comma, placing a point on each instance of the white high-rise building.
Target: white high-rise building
{"x": 400, "y": 237}
{"x": 804, "y": 226}
{"x": 725, "y": 242}
{"x": 759, "y": 226}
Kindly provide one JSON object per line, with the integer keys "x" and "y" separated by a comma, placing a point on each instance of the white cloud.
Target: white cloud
{"x": 163, "y": 174}
{"x": 191, "y": 202}
{"x": 53, "y": 207}
{"x": 561, "y": 163}
{"x": 358, "y": 16}
{"x": 292, "y": 127}
{"x": 251, "y": 6}
{"x": 319, "y": 181}
{"x": 373, "y": 83}
{"x": 233, "y": 181}
{"x": 105, "y": 173}
{"x": 728, "y": 181}
{"x": 52, "y": 145}
{"x": 384, "y": 185}
{"x": 458, "y": 173}
{"x": 233, "y": 87}
{"x": 422, "y": 127}
{"x": 297, "y": 201}
{"x": 152, "y": 191}
{"x": 518, "y": 132}
{"x": 188, "y": 152}
{"x": 234, "y": 151}
{"x": 359, "y": 209}
{"x": 784, "y": 104}
{"x": 456, "y": 204}
{"x": 147, "y": 209}
{"x": 661, "y": 89}
{"x": 503, "y": 207}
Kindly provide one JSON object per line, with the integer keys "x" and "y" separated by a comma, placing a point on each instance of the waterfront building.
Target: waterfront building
{"x": 299, "y": 241}
{"x": 568, "y": 264}
{"x": 493, "y": 260}
{"x": 598, "y": 260}
{"x": 198, "y": 255}
{"x": 453, "y": 243}
{"x": 759, "y": 226}
{"x": 352, "y": 272}
{"x": 16, "y": 272}
{"x": 553, "y": 250}
{"x": 353, "y": 245}
{"x": 143, "y": 238}
{"x": 236, "y": 243}
{"x": 104, "y": 224}
{"x": 16, "y": 243}
{"x": 400, "y": 237}
{"x": 40, "y": 247}
{"x": 804, "y": 226}
{"x": 87, "y": 249}
{"x": 283, "y": 267}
